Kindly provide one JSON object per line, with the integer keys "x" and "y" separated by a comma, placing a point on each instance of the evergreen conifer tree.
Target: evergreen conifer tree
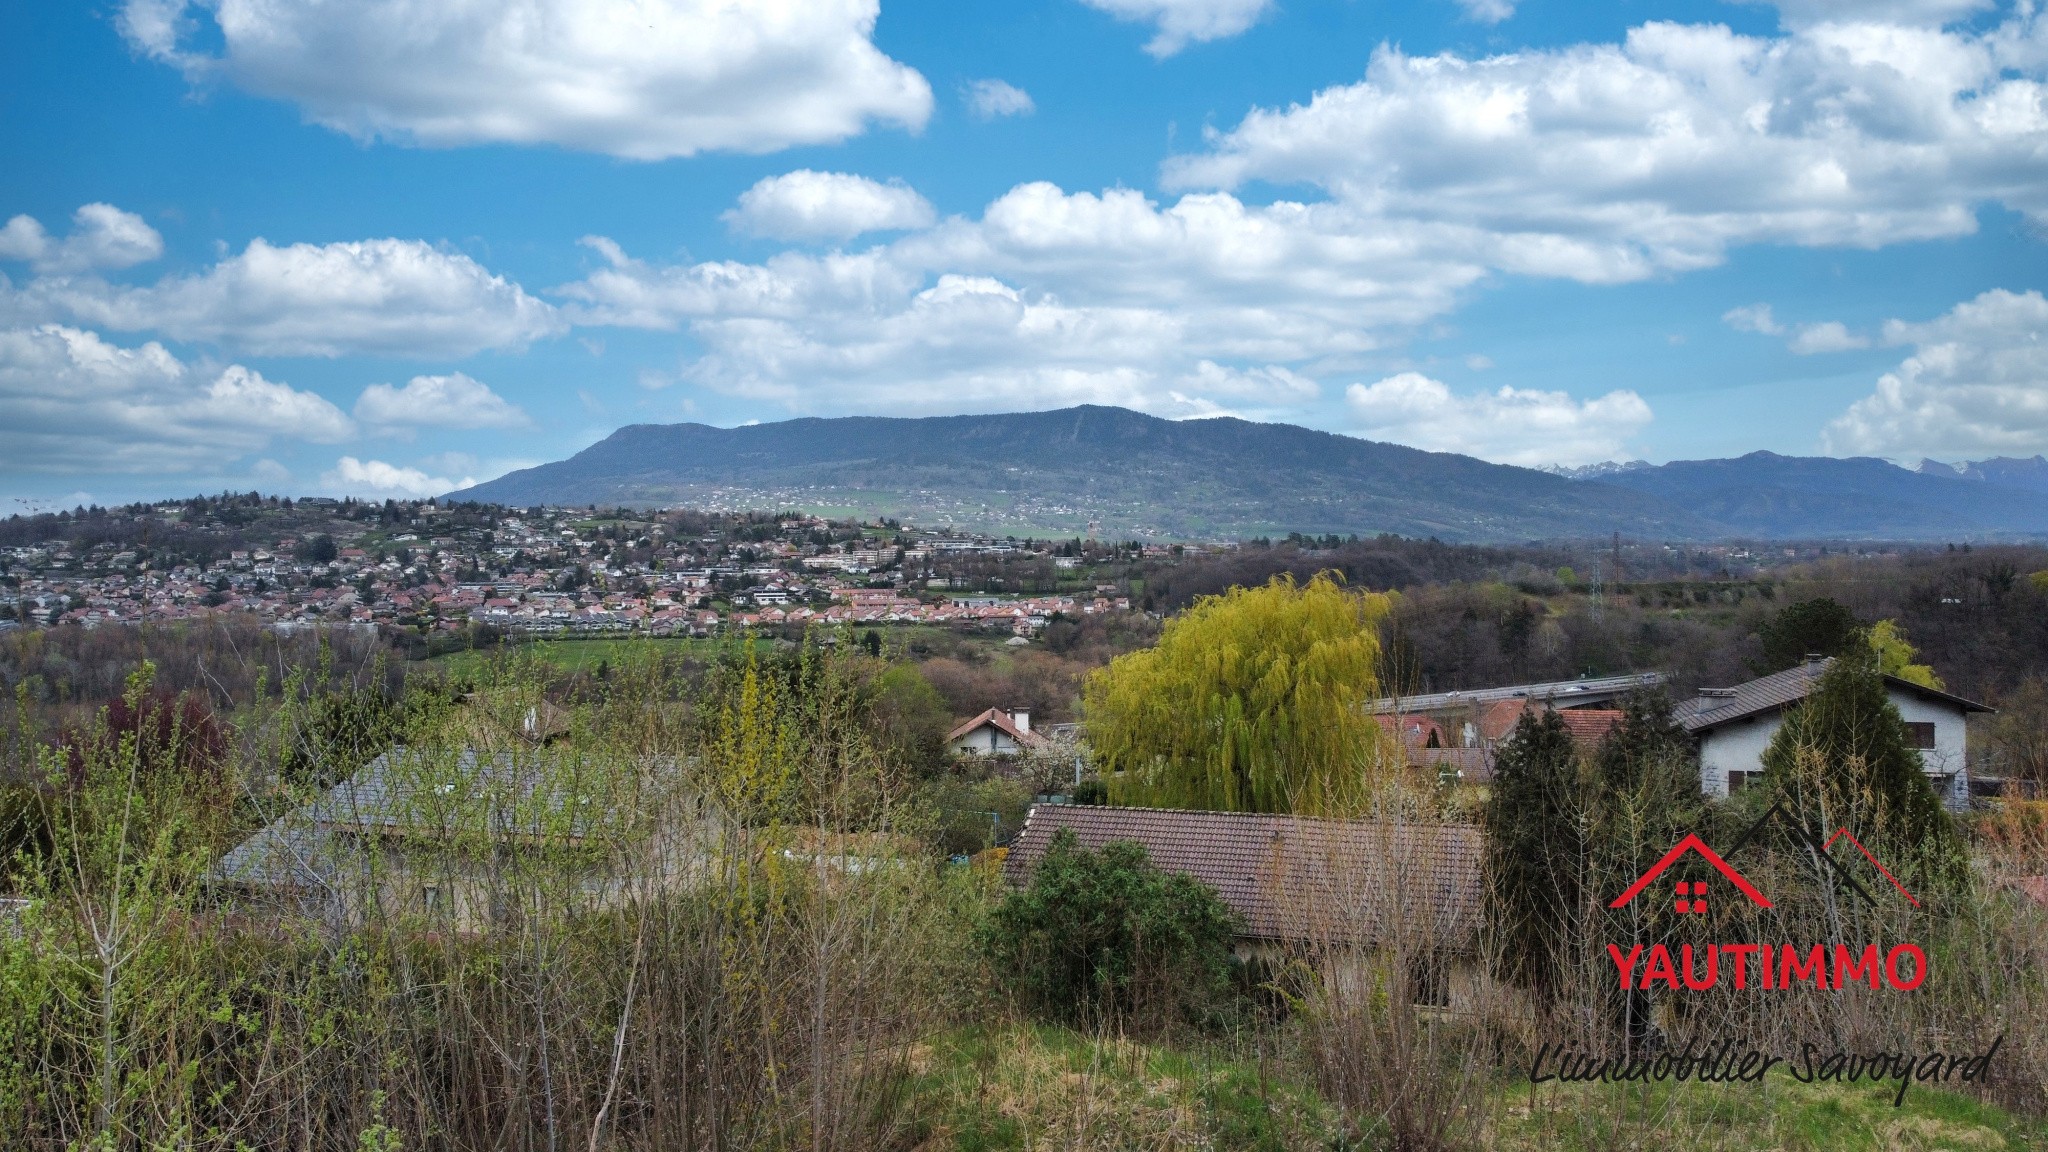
{"x": 1842, "y": 759}
{"x": 1819, "y": 627}
{"x": 1647, "y": 738}
{"x": 1645, "y": 798}
{"x": 1535, "y": 852}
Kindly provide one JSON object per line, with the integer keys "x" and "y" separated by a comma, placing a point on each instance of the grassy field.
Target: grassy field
{"x": 580, "y": 655}
{"x": 584, "y": 654}
{"x": 1035, "y": 1086}
{"x": 1780, "y": 1113}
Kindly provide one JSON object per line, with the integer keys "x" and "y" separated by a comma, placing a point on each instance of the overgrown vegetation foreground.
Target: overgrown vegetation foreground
{"x": 678, "y": 907}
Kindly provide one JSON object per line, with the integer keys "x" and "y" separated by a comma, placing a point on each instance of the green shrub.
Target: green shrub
{"x": 1843, "y": 758}
{"x": 970, "y": 815}
{"x": 1100, "y": 937}
{"x": 1818, "y": 627}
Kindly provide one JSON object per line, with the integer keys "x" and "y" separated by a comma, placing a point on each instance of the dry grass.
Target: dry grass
{"x": 1780, "y": 1113}
{"x": 1042, "y": 1087}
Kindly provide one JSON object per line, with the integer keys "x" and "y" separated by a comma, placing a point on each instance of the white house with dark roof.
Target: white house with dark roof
{"x": 1735, "y": 725}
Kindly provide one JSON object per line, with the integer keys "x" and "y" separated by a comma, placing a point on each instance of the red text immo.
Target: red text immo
{"x": 1775, "y": 967}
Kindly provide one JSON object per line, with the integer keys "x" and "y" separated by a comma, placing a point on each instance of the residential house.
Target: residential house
{"x": 1429, "y": 748}
{"x": 1460, "y": 740}
{"x": 1349, "y": 895}
{"x": 996, "y": 732}
{"x": 1423, "y": 731}
{"x": 1480, "y": 717}
{"x": 1586, "y": 726}
{"x": 450, "y": 837}
{"x": 1735, "y": 725}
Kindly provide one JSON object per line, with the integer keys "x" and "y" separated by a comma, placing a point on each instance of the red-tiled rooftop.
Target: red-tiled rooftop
{"x": 1416, "y": 730}
{"x": 1589, "y": 726}
{"x": 1472, "y": 765}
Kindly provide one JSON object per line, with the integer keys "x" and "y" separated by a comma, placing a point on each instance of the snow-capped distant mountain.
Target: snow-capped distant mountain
{"x": 2030, "y": 473}
{"x": 1595, "y": 471}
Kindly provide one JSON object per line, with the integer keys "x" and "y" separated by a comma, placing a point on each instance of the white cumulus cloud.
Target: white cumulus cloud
{"x": 1268, "y": 383}
{"x": 102, "y": 236}
{"x": 1976, "y": 384}
{"x": 1753, "y": 318}
{"x": 1184, "y": 22}
{"x": 1612, "y": 162}
{"x": 1508, "y": 426}
{"x": 643, "y": 79}
{"x": 1601, "y": 163}
{"x": 1828, "y": 336}
{"x": 988, "y": 99}
{"x": 1808, "y": 340}
{"x": 1487, "y": 11}
{"x": 452, "y": 401}
{"x": 72, "y": 402}
{"x": 377, "y": 479}
{"x": 381, "y": 297}
{"x": 806, "y": 205}
{"x": 1049, "y": 297}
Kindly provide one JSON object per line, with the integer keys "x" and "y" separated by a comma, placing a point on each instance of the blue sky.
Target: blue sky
{"x": 383, "y": 248}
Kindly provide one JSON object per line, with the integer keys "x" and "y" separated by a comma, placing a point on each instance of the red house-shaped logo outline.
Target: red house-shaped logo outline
{"x": 1841, "y": 833}
{"x": 1692, "y": 843}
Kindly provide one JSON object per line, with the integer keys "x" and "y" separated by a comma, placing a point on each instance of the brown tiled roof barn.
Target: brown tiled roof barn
{"x": 1289, "y": 877}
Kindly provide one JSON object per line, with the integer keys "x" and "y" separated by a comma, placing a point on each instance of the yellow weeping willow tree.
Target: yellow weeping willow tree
{"x": 1253, "y": 701}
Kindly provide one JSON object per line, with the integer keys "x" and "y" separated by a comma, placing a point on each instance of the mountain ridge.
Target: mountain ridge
{"x": 1123, "y": 473}
{"x": 2029, "y": 472}
{"x": 1766, "y": 494}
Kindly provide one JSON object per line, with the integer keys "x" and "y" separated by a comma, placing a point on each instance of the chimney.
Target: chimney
{"x": 1021, "y": 717}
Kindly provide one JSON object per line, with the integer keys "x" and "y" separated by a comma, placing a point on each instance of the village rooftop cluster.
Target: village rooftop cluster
{"x": 444, "y": 567}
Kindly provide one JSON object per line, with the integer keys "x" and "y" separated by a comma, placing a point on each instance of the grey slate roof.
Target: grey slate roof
{"x": 1564, "y": 693}
{"x": 1289, "y": 877}
{"x": 1773, "y": 692}
{"x": 402, "y": 793}
{"x": 288, "y": 853}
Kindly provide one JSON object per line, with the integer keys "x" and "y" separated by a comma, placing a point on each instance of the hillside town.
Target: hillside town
{"x": 436, "y": 567}
{"x": 426, "y": 567}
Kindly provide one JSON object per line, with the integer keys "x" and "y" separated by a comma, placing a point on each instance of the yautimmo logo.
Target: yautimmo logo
{"x": 1765, "y": 966}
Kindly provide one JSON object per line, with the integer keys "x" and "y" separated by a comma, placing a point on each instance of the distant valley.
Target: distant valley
{"x": 1128, "y": 475}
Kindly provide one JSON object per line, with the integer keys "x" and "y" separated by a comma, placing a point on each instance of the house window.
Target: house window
{"x": 1429, "y": 982}
{"x": 1737, "y": 780}
{"x": 430, "y": 900}
{"x": 1920, "y": 735}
